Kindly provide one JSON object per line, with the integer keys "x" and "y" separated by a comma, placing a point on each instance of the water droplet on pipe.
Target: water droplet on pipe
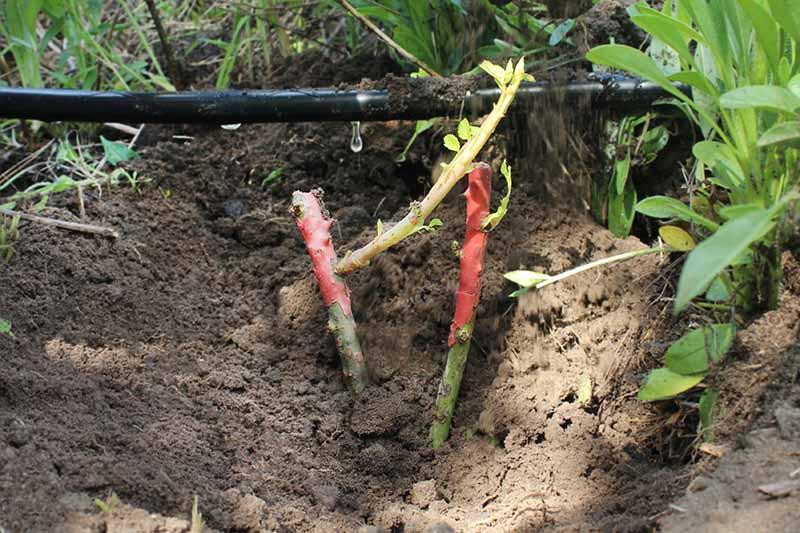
{"x": 356, "y": 144}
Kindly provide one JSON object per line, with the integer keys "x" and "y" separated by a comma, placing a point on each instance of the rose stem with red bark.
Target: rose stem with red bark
{"x": 479, "y": 192}
{"x": 315, "y": 227}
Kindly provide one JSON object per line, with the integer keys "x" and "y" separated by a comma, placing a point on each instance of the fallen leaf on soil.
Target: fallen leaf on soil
{"x": 714, "y": 450}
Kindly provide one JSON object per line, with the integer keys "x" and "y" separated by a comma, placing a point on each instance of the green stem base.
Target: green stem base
{"x": 450, "y": 386}
{"x": 354, "y": 366}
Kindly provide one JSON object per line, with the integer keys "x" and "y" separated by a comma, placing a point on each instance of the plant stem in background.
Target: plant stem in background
{"x": 479, "y": 192}
{"x": 450, "y": 176}
{"x": 388, "y": 40}
{"x": 172, "y": 66}
{"x": 315, "y": 227}
{"x": 72, "y": 226}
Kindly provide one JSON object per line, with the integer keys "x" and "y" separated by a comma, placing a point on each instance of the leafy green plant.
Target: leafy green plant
{"x": 83, "y": 40}
{"x": 82, "y": 169}
{"x": 740, "y": 60}
{"x": 9, "y": 232}
{"x": 688, "y": 359}
{"x": 526, "y": 31}
{"x": 634, "y": 143}
{"x": 19, "y": 29}
{"x": 434, "y": 32}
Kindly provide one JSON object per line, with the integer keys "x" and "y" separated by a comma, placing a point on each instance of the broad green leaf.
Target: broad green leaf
{"x": 695, "y": 80}
{"x": 116, "y": 152}
{"x": 665, "y": 29}
{"x": 662, "y": 384}
{"x": 785, "y": 132}
{"x": 666, "y": 207}
{"x": 690, "y": 354}
{"x": 622, "y": 169}
{"x": 761, "y": 97}
{"x": 654, "y": 141}
{"x": 676, "y": 238}
{"x": 717, "y": 252}
{"x": 666, "y": 19}
{"x": 720, "y": 289}
{"x": 794, "y": 85}
{"x": 632, "y": 60}
{"x": 729, "y": 212}
{"x": 526, "y": 278}
{"x": 708, "y": 401}
{"x": 785, "y": 13}
{"x": 621, "y": 210}
{"x": 766, "y": 30}
{"x": 721, "y": 158}
{"x": 561, "y": 31}
{"x": 451, "y": 142}
{"x": 710, "y": 22}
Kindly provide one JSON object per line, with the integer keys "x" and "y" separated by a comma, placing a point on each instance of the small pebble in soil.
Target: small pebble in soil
{"x": 234, "y": 207}
{"x": 697, "y": 484}
{"x": 324, "y": 493}
{"x": 423, "y": 493}
{"x": 19, "y": 437}
{"x": 788, "y": 419}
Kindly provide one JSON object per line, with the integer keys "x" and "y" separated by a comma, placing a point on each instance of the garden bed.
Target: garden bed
{"x": 190, "y": 356}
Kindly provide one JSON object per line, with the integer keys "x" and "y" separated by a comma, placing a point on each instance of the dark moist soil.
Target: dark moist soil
{"x": 191, "y": 357}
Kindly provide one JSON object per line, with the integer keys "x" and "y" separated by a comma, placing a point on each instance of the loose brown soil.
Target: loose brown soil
{"x": 190, "y": 357}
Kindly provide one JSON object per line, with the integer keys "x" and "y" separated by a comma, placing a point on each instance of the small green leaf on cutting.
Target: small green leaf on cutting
{"x": 491, "y": 221}
{"x": 495, "y": 71}
{"x": 451, "y": 142}
{"x": 431, "y": 227}
{"x": 508, "y": 75}
{"x": 464, "y": 129}
{"x": 380, "y": 228}
{"x": 526, "y": 278}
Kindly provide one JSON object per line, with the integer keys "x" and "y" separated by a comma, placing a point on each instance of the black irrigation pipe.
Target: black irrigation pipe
{"x": 300, "y": 105}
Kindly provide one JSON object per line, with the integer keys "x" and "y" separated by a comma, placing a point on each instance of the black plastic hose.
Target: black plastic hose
{"x": 300, "y": 105}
